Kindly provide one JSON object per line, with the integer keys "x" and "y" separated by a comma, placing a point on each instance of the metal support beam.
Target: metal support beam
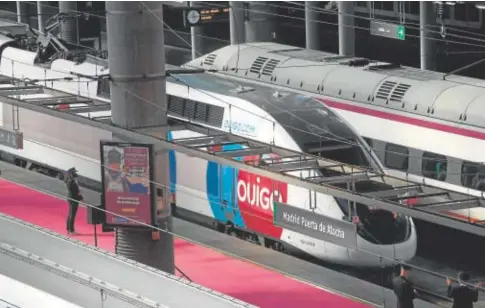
{"x": 236, "y": 22}
{"x": 245, "y": 152}
{"x": 349, "y": 178}
{"x": 86, "y": 109}
{"x": 135, "y": 52}
{"x": 427, "y": 18}
{"x": 312, "y": 27}
{"x": 293, "y": 165}
{"x": 260, "y": 25}
{"x": 69, "y": 26}
{"x": 346, "y": 30}
{"x": 393, "y": 193}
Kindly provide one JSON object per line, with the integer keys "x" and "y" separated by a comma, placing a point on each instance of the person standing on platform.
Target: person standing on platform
{"x": 73, "y": 198}
{"x": 403, "y": 289}
{"x": 462, "y": 294}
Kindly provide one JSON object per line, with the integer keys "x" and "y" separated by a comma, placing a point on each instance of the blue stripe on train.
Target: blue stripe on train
{"x": 221, "y": 194}
{"x": 172, "y": 163}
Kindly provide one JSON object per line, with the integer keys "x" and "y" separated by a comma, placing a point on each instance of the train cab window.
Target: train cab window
{"x": 397, "y": 157}
{"x": 368, "y": 141}
{"x": 434, "y": 166}
{"x": 473, "y": 175}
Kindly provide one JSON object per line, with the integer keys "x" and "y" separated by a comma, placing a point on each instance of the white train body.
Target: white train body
{"x": 200, "y": 187}
{"x": 413, "y": 119}
{"x": 15, "y": 294}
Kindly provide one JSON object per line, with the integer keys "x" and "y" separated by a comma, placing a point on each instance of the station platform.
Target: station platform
{"x": 248, "y": 282}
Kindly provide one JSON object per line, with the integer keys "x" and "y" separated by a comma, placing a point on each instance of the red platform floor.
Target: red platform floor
{"x": 245, "y": 281}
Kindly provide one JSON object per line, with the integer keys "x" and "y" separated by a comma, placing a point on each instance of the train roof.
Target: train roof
{"x": 302, "y": 116}
{"x": 426, "y": 93}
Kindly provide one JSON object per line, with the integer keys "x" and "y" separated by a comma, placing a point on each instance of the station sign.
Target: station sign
{"x": 315, "y": 225}
{"x": 198, "y": 16}
{"x": 127, "y": 177}
{"x": 388, "y": 30}
{"x": 11, "y": 139}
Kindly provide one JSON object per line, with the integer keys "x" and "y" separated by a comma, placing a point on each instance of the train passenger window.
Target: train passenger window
{"x": 434, "y": 166}
{"x": 397, "y": 157}
{"x": 473, "y": 175}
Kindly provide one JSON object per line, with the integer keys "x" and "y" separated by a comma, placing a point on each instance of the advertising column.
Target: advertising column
{"x": 127, "y": 177}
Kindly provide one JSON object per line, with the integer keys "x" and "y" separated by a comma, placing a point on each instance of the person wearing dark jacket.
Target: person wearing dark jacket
{"x": 73, "y": 198}
{"x": 463, "y": 295}
{"x": 403, "y": 289}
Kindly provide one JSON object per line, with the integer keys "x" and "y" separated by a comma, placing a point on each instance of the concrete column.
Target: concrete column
{"x": 137, "y": 68}
{"x": 20, "y": 11}
{"x": 236, "y": 22}
{"x": 260, "y": 25}
{"x": 346, "y": 30}
{"x": 69, "y": 27}
{"x": 312, "y": 34}
{"x": 196, "y": 39}
{"x": 427, "y": 18}
{"x": 40, "y": 16}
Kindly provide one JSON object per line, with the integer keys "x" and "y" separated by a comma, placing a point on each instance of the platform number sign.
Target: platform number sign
{"x": 389, "y": 30}
{"x": 401, "y": 33}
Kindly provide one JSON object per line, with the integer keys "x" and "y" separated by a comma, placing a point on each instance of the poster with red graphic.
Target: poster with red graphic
{"x": 127, "y": 177}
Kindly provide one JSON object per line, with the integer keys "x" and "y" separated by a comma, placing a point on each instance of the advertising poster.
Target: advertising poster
{"x": 127, "y": 175}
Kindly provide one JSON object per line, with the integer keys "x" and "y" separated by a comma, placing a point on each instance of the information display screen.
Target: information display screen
{"x": 127, "y": 177}
{"x": 197, "y": 16}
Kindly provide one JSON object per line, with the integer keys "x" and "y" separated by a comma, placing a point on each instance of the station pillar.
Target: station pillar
{"x": 260, "y": 24}
{"x": 427, "y": 18}
{"x": 69, "y": 27}
{"x": 40, "y": 16}
{"x": 312, "y": 32}
{"x": 346, "y": 28}
{"x": 196, "y": 38}
{"x": 22, "y": 12}
{"x": 137, "y": 68}
{"x": 236, "y": 22}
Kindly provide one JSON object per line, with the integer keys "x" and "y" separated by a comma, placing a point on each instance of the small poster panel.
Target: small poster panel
{"x": 127, "y": 179}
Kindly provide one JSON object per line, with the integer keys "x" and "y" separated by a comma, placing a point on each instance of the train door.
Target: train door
{"x": 228, "y": 195}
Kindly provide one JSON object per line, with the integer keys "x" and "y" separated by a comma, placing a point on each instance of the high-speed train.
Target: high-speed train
{"x": 232, "y": 200}
{"x": 423, "y": 125}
